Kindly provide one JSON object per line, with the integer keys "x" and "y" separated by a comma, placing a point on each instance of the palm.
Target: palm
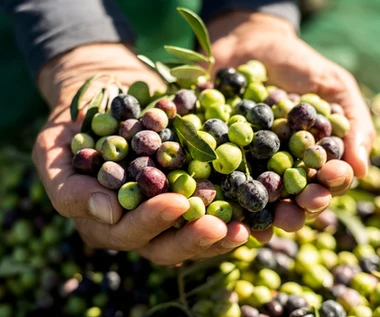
{"x": 295, "y": 67}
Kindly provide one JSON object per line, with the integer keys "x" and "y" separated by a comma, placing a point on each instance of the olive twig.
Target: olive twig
{"x": 200, "y": 265}
{"x": 208, "y": 284}
{"x": 168, "y": 305}
{"x": 181, "y": 290}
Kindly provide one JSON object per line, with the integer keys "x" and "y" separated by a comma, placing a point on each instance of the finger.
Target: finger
{"x": 336, "y": 176}
{"x": 263, "y": 236}
{"x": 150, "y": 219}
{"x": 359, "y": 138}
{"x": 237, "y": 234}
{"x": 289, "y": 216}
{"x": 72, "y": 195}
{"x": 314, "y": 199}
{"x": 137, "y": 227}
{"x": 175, "y": 246}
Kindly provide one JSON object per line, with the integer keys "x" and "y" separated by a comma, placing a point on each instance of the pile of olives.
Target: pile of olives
{"x": 234, "y": 147}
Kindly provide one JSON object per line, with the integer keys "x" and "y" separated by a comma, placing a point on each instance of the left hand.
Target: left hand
{"x": 292, "y": 65}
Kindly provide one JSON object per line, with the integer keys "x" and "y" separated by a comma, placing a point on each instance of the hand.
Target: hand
{"x": 99, "y": 217}
{"x": 292, "y": 65}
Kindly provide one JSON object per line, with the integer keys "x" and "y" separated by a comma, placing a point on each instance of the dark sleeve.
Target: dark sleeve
{"x": 286, "y": 9}
{"x": 47, "y": 28}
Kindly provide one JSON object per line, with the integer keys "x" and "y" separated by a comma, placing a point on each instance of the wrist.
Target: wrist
{"x": 60, "y": 78}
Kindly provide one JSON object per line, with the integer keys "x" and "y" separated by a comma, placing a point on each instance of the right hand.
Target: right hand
{"x": 98, "y": 215}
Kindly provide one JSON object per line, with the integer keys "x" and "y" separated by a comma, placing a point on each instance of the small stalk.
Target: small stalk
{"x": 166, "y": 306}
{"x": 207, "y": 285}
{"x": 181, "y": 289}
{"x": 211, "y": 62}
{"x": 204, "y": 264}
{"x": 247, "y": 174}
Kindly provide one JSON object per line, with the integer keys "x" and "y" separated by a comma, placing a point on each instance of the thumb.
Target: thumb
{"x": 82, "y": 196}
{"x": 72, "y": 195}
{"x": 358, "y": 141}
{"x": 356, "y": 153}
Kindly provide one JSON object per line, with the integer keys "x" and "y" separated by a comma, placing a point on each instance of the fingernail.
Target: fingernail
{"x": 100, "y": 207}
{"x": 231, "y": 245}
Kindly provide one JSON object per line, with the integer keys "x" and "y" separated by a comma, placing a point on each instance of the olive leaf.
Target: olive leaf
{"x": 189, "y": 138}
{"x": 76, "y": 102}
{"x": 185, "y": 55}
{"x": 140, "y": 90}
{"x": 165, "y": 73}
{"x": 188, "y": 72}
{"x": 92, "y": 110}
{"x": 199, "y": 28}
{"x": 160, "y": 68}
{"x": 147, "y": 61}
{"x": 353, "y": 224}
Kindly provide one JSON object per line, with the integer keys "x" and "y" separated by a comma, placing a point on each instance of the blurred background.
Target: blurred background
{"x": 44, "y": 267}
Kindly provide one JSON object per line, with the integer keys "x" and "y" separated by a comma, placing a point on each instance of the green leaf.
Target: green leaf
{"x": 165, "y": 73}
{"x": 199, "y": 28}
{"x": 9, "y": 267}
{"x": 147, "y": 61}
{"x": 189, "y": 138}
{"x": 159, "y": 68}
{"x": 188, "y": 72}
{"x": 353, "y": 224}
{"x": 185, "y": 54}
{"x": 76, "y": 102}
{"x": 93, "y": 109}
{"x": 140, "y": 90}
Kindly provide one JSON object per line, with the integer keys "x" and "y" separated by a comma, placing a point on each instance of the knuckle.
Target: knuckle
{"x": 84, "y": 233}
{"x": 62, "y": 201}
{"x": 190, "y": 248}
{"x": 121, "y": 244}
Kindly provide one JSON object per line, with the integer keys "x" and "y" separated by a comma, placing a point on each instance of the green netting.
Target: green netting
{"x": 348, "y": 32}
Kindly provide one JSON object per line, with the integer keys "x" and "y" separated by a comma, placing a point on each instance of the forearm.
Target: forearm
{"x": 45, "y": 29}
{"x": 60, "y": 78}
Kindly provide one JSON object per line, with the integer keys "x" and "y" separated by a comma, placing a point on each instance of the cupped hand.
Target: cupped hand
{"x": 292, "y": 65}
{"x": 99, "y": 218}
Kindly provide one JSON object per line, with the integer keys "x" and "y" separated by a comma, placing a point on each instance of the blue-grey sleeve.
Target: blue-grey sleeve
{"x": 286, "y": 9}
{"x": 47, "y": 28}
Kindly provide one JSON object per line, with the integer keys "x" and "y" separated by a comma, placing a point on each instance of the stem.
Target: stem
{"x": 247, "y": 174}
{"x": 168, "y": 305}
{"x": 200, "y": 265}
{"x": 181, "y": 288}
{"x": 207, "y": 285}
{"x": 211, "y": 63}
